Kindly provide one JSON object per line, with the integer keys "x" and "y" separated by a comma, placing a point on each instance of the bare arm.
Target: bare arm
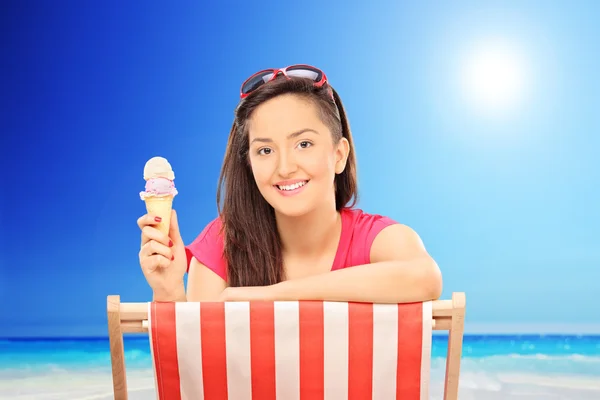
{"x": 178, "y": 295}
{"x": 401, "y": 271}
{"x": 203, "y": 283}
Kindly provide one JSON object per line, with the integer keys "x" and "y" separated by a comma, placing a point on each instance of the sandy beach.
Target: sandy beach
{"x": 62, "y": 385}
{"x": 535, "y": 367}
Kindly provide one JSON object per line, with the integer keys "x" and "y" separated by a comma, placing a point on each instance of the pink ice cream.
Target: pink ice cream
{"x": 159, "y": 187}
{"x": 159, "y": 178}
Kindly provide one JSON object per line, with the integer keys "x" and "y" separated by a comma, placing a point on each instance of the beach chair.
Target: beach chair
{"x": 302, "y": 350}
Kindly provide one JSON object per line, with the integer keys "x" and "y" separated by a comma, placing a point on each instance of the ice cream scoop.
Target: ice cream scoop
{"x": 160, "y": 190}
{"x": 158, "y": 167}
{"x": 158, "y": 187}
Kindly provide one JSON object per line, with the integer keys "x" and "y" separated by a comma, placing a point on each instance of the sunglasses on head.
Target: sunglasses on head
{"x": 299, "y": 70}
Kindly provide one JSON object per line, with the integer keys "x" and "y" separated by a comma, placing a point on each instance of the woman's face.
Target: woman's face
{"x": 292, "y": 155}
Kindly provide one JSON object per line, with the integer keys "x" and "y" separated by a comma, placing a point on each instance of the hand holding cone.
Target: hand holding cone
{"x": 160, "y": 190}
{"x": 162, "y": 253}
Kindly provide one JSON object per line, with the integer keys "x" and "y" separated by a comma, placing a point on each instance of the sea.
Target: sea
{"x": 492, "y": 367}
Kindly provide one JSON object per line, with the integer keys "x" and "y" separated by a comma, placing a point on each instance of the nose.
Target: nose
{"x": 287, "y": 165}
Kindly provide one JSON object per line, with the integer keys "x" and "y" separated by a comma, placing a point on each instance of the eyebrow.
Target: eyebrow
{"x": 290, "y": 136}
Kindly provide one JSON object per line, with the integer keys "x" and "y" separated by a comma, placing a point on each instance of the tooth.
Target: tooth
{"x": 292, "y": 187}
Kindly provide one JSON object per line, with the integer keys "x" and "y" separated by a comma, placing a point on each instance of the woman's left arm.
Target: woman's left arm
{"x": 401, "y": 271}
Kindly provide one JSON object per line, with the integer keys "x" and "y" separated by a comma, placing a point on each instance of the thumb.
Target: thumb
{"x": 174, "y": 233}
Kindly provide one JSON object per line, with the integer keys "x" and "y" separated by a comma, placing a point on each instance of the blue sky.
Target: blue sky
{"x": 505, "y": 198}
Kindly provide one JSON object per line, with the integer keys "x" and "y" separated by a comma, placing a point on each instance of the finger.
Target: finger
{"x": 174, "y": 228}
{"x": 148, "y": 220}
{"x": 151, "y": 233}
{"x": 155, "y": 262}
{"x": 153, "y": 247}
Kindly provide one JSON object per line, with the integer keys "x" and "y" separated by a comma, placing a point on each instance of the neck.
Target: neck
{"x": 311, "y": 233}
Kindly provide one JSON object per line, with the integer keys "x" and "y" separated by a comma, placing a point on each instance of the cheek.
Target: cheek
{"x": 320, "y": 166}
{"x": 262, "y": 171}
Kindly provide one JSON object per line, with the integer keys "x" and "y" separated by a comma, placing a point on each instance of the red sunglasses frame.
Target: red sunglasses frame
{"x": 276, "y": 72}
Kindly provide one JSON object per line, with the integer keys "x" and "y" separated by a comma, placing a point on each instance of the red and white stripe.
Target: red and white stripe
{"x": 305, "y": 350}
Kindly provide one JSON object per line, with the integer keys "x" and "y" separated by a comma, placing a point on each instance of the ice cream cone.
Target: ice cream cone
{"x": 160, "y": 206}
{"x": 160, "y": 191}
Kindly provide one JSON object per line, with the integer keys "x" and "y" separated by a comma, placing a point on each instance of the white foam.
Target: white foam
{"x": 569, "y": 357}
{"x": 563, "y": 382}
{"x": 65, "y": 385}
{"x": 475, "y": 383}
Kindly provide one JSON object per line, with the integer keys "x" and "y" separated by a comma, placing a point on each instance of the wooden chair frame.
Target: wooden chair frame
{"x": 448, "y": 315}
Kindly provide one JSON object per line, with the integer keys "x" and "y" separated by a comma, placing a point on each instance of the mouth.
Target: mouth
{"x": 292, "y": 188}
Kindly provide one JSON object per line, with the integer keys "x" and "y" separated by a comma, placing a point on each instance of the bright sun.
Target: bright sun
{"x": 494, "y": 77}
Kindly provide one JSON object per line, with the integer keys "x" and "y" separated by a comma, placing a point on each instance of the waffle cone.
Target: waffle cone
{"x": 161, "y": 206}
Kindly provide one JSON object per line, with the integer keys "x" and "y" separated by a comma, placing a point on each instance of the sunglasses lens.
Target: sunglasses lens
{"x": 302, "y": 71}
{"x": 298, "y": 71}
{"x": 256, "y": 81}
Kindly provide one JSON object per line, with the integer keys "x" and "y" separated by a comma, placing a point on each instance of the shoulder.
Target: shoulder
{"x": 365, "y": 226}
{"x": 397, "y": 242}
{"x": 361, "y": 229}
{"x": 362, "y": 221}
{"x": 379, "y": 238}
{"x": 208, "y": 248}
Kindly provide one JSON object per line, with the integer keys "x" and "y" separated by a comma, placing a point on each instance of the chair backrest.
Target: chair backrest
{"x": 289, "y": 350}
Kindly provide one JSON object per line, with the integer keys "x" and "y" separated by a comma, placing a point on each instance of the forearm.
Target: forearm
{"x": 176, "y": 295}
{"x": 383, "y": 282}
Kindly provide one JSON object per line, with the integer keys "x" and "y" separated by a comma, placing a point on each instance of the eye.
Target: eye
{"x": 264, "y": 151}
{"x": 305, "y": 144}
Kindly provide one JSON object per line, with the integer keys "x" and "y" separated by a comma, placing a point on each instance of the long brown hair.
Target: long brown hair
{"x": 252, "y": 244}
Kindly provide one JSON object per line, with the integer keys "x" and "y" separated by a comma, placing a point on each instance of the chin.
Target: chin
{"x": 292, "y": 212}
{"x": 291, "y": 208}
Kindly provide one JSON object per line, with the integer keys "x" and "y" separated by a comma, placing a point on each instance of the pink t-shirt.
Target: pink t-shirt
{"x": 359, "y": 230}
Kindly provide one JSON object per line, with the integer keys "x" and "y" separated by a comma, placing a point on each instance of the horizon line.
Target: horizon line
{"x": 471, "y": 330}
{"x": 435, "y": 334}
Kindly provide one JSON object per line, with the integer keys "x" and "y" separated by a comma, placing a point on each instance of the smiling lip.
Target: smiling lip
{"x": 290, "y": 182}
{"x": 292, "y": 192}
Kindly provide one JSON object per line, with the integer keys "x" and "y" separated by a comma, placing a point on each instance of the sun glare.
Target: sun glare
{"x": 494, "y": 77}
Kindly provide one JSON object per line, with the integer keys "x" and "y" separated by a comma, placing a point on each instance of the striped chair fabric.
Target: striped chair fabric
{"x": 298, "y": 350}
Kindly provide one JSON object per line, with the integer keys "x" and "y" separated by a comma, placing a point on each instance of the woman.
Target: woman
{"x": 287, "y": 229}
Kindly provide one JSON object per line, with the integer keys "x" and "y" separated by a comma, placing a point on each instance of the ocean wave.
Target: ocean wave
{"x": 582, "y": 365}
{"x": 137, "y": 359}
{"x": 575, "y": 358}
{"x": 70, "y": 360}
{"x": 536, "y": 356}
{"x": 570, "y": 357}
